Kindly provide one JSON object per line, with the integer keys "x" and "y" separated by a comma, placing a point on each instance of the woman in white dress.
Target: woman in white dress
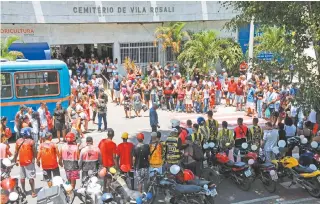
{"x": 188, "y": 99}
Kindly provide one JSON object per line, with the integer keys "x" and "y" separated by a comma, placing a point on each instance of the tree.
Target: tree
{"x": 172, "y": 36}
{"x": 5, "y": 53}
{"x": 205, "y": 49}
{"x": 298, "y": 21}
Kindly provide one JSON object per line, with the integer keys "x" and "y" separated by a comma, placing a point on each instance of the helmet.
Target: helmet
{"x": 188, "y": 175}
{"x": 174, "y": 132}
{"x": 200, "y": 120}
{"x": 175, "y": 169}
{"x": 140, "y": 136}
{"x": 125, "y": 135}
{"x": 175, "y": 123}
{"x": 3, "y": 118}
{"x": 70, "y": 137}
{"x": 107, "y": 197}
{"x": 25, "y": 132}
{"x": 103, "y": 172}
{"x": 125, "y": 168}
{"x": 110, "y": 132}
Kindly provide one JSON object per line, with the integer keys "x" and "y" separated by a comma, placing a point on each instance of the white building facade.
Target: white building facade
{"x": 118, "y": 29}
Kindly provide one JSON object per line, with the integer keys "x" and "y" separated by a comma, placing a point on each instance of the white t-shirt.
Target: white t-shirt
{"x": 205, "y": 93}
{"x": 109, "y": 69}
{"x": 98, "y": 68}
{"x": 70, "y": 73}
{"x": 271, "y": 138}
{"x": 313, "y": 116}
{"x": 74, "y": 84}
{"x": 35, "y": 126}
{"x": 43, "y": 118}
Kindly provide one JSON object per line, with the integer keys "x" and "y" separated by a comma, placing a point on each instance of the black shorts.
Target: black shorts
{"x": 47, "y": 173}
{"x": 275, "y": 113}
{"x": 59, "y": 126}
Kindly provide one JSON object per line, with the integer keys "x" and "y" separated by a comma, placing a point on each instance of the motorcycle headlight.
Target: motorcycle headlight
{"x": 13, "y": 196}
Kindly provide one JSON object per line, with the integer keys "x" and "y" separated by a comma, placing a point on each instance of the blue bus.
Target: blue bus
{"x": 25, "y": 82}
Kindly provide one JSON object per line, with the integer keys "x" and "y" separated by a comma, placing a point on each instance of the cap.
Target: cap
{"x": 125, "y": 135}
{"x": 23, "y": 107}
{"x": 154, "y": 134}
{"x": 89, "y": 139}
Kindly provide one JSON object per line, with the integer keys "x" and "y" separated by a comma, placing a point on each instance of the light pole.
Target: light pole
{"x": 251, "y": 36}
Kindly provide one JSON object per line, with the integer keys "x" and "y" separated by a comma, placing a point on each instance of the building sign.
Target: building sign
{"x": 15, "y": 31}
{"x": 123, "y": 10}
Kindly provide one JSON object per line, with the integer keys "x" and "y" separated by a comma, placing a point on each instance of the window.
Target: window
{"x": 6, "y": 85}
{"x": 139, "y": 52}
{"x": 33, "y": 84}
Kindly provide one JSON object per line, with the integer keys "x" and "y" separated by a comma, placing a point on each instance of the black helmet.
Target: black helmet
{"x": 110, "y": 132}
{"x": 3, "y": 118}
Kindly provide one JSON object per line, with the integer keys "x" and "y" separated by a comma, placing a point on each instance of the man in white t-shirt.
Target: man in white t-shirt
{"x": 43, "y": 119}
{"x": 99, "y": 67}
{"x": 270, "y": 139}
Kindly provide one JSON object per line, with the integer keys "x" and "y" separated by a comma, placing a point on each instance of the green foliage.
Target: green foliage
{"x": 205, "y": 49}
{"x": 171, "y": 36}
{"x": 290, "y": 28}
{"x": 4, "y": 51}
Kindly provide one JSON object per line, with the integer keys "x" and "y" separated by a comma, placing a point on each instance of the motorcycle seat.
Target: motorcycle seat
{"x": 198, "y": 182}
{"x": 185, "y": 189}
{"x": 266, "y": 165}
{"x": 239, "y": 164}
{"x": 302, "y": 169}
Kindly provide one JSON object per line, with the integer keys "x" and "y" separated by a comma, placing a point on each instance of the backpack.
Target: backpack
{"x": 197, "y": 152}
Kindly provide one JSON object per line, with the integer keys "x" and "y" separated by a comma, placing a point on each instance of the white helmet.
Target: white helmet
{"x": 175, "y": 123}
{"x": 175, "y": 169}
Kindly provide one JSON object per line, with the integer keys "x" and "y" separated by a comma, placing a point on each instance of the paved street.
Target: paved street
{"x": 227, "y": 192}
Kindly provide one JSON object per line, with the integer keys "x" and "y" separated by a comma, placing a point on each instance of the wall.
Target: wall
{"x": 111, "y": 11}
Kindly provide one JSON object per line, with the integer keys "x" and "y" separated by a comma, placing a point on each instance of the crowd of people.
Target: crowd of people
{"x": 162, "y": 88}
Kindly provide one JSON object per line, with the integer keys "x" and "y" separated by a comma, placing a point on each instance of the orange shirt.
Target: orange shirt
{"x": 48, "y": 153}
{"x": 26, "y": 151}
{"x": 232, "y": 87}
{"x": 124, "y": 151}
{"x": 107, "y": 148}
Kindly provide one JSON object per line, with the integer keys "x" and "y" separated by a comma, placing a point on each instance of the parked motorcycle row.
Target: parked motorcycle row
{"x": 302, "y": 168}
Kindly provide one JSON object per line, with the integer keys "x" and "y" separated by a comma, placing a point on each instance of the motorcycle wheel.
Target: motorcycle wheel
{"x": 245, "y": 185}
{"x": 212, "y": 174}
{"x": 154, "y": 190}
{"x": 268, "y": 183}
{"x": 316, "y": 191}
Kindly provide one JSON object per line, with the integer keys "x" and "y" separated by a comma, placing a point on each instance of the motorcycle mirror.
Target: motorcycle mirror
{"x": 211, "y": 145}
{"x": 205, "y": 146}
{"x": 314, "y": 144}
{"x": 304, "y": 141}
{"x": 282, "y": 143}
{"x": 275, "y": 150}
{"x": 244, "y": 145}
{"x": 254, "y": 147}
{"x": 6, "y": 162}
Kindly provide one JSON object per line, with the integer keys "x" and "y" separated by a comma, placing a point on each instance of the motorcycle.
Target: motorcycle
{"x": 265, "y": 172}
{"x": 308, "y": 177}
{"x": 60, "y": 192}
{"x": 120, "y": 190}
{"x": 11, "y": 193}
{"x": 162, "y": 183}
{"x": 91, "y": 189}
{"x": 239, "y": 172}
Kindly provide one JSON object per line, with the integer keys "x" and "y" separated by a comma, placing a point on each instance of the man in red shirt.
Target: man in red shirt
{"x": 239, "y": 95}
{"x": 108, "y": 151}
{"x": 218, "y": 91}
{"x": 232, "y": 86}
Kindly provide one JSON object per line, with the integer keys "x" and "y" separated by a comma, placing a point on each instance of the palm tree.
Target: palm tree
{"x": 171, "y": 36}
{"x": 5, "y": 53}
{"x": 205, "y": 49}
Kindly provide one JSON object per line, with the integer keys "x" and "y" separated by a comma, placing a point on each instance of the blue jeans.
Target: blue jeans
{"x": 205, "y": 105}
{"x": 180, "y": 106}
{"x": 96, "y": 91}
{"x": 196, "y": 106}
{"x": 153, "y": 98}
{"x": 259, "y": 108}
{"x": 218, "y": 97}
{"x": 102, "y": 116}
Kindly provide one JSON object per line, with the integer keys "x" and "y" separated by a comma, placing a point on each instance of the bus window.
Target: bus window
{"x": 34, "y": 84}
{"x": 6, "y": 86}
